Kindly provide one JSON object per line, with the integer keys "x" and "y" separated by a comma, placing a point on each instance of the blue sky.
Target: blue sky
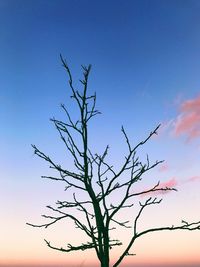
{"x": 146, "y": 61}
{"x": 142, "y": 47}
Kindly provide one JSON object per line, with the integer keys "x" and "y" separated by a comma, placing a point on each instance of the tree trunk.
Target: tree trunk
{"x": 105, "y": 263}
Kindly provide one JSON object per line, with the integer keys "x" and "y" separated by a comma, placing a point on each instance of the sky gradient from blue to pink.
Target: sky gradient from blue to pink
{"x": 146, "y": 61}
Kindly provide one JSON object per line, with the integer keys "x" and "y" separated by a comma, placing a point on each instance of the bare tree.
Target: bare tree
{"x": 99, "y": 180}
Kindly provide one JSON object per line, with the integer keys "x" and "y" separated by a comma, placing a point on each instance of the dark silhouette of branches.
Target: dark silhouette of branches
{"x": 98, "y": 179}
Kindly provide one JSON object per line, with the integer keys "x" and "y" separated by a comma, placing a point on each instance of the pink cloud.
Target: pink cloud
{"x": 164, "y": 167}
{"x": 193, "y": 179}
{"x": 170, "y": 183}
{"x": 188, "y": 120}
{"x": 193, "y": 104}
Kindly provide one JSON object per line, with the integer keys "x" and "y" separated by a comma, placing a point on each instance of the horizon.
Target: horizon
{"x": 127, "y": 265}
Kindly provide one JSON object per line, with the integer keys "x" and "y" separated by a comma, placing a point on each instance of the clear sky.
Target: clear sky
{"x": 145, "y": 58}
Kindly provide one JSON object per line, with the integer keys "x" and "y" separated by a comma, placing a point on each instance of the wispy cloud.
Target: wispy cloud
{"x": 188, "y": 120}
{"x": 173, "y": 182}
{"x": 193, "y": 179}
{"x": 169, "y": 184}
{"x": 164, "y": 167}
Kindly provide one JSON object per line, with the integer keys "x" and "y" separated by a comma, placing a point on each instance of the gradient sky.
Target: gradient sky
{"x": 146, "y": 62}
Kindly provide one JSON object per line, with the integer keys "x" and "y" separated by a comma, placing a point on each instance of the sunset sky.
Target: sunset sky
{"x": 145, "y": 58}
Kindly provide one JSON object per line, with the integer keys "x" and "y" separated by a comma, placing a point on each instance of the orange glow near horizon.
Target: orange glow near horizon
{"x": 161, "y": 249}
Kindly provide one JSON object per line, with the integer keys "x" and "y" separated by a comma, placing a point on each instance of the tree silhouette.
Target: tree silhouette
{"x": 99, "y": 180}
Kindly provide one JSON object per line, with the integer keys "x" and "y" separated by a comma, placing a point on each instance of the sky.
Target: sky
{"x": 145, "y": 58}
